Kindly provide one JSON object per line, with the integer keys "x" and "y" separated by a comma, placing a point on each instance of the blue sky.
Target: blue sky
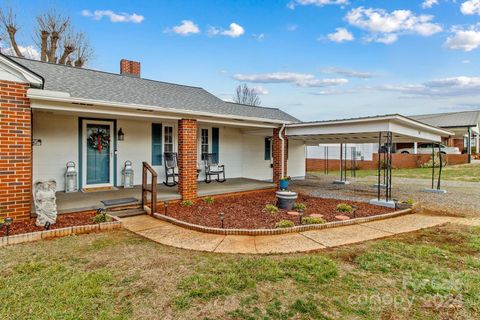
{"x": 316, "y": 59}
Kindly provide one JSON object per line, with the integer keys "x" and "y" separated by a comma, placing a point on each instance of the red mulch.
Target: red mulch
{"x": 63, "y": 221}
{"x": 246, "y": 211}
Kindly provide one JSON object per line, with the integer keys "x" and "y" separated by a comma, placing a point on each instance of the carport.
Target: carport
{"x": 383, "y": 130}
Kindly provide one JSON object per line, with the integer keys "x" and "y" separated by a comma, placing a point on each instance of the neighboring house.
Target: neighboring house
{"x": 464, "y": 124}
{"x": 53, "y": 114}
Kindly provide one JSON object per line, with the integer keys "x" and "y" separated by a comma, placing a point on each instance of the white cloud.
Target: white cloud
{"x": 318, "y": 3}
{"x": 260, "y": 90}
{"x": 453, "y": 86}
{"x": 299, "y": 79}
{"x": 292, "y": 27}
{"x": 470, "y": 7}
{"x": 340, "y": 35}
{"x": 114, "y": 17}
{"x": 464, "y": 39}
{"x": 385, "y": 27}
{"x": 29, "y": 52}
{"x": 429, "y": 3}
{"x": 234, "y": 31}
{"x": 466, "y": 61}
{"x": 349, "y": 73}
{"x": 186, "y": 28}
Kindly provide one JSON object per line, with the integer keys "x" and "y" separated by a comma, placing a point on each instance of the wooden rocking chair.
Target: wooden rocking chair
{"x": 171, "y": 169}
{"x": 212, "y": 168}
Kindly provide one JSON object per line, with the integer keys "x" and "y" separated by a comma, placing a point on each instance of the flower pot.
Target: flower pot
{"x": 283, "y": 184}
{"x": 286, "y": 199}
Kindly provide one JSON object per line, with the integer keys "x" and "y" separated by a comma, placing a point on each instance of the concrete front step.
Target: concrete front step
{"x": 127, "y": 213}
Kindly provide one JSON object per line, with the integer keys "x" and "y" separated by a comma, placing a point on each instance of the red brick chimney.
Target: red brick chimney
{"x": 130, "y": 68}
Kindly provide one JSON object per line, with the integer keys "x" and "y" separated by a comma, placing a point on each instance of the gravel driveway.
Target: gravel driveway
{"x": 462, "y": 198}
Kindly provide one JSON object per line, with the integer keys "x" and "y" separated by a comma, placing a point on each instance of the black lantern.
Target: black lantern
{"x": 121, "y": 135}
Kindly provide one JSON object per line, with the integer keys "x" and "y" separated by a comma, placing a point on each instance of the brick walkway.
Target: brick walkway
{"x": 171, "y": 235}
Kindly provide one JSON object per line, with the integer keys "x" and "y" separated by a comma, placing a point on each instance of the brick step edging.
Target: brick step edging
{"x": 61, "y": 232}
{"x": 259, "y": 232}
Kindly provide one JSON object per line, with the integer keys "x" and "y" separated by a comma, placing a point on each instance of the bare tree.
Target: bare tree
{"x": 54, "y": 35}
{"x": 245, "y": 95}
{"x": 8, "y": 20}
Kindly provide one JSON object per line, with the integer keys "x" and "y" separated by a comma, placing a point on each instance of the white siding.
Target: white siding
{"x": 296, "y": 159}
{"x": 242, "y": 155}
{"x": 363, "y": 150}
{"x": 59, "y": 135}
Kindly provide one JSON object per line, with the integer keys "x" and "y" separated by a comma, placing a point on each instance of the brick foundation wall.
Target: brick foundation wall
{"x": 187, "y": 158}
{"x": 15, "y": 151}
{"x": 399, "y": 161}
{"x": 277, "y": 156}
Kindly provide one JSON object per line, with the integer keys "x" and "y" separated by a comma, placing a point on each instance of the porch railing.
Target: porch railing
{"x": 146, "y": 168}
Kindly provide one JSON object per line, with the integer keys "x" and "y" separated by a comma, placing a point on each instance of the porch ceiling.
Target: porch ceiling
{"x": 365, "y": 130}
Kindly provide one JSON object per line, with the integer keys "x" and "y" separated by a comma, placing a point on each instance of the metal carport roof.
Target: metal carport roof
{"x": 365, "y": 130}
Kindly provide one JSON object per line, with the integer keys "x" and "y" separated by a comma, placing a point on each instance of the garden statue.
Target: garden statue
{"x": 45, "y": 202}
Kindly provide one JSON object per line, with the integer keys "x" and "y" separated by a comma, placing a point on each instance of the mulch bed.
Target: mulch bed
{"x": 247, "y": 211}
{"x": 63, "y": 221}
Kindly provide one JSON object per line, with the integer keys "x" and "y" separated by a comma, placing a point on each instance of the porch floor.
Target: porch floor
{"x": 80, "y": 201}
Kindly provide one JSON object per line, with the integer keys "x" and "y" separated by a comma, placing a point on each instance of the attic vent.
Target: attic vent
{"x": 130, "y": 68}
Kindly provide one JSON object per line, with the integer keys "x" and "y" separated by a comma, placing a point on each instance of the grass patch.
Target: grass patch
{"x": 430, "y": 274}
{"x": 228, "y": 277}
{"x": 463, "y": 172}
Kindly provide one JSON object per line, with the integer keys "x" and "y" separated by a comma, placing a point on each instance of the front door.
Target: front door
{"x": 97, "y": 153}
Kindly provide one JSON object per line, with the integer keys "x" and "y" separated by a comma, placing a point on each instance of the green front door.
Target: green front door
{"x": 98, "y": 156}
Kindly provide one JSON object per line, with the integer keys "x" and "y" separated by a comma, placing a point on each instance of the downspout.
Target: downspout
{"x": 280, "y": 136}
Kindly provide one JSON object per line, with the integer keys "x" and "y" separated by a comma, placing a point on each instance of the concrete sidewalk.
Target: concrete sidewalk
{"x": 171, "y": 235}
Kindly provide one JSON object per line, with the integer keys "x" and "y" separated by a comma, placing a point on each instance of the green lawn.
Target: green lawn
{"x": 464, "y": 172}
{"x": 431, "y": 274}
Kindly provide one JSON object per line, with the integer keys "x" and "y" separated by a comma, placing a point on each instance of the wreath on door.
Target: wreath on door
{"x": 98, "y": 140}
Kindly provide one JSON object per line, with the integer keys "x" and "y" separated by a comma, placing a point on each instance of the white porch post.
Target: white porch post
{"x": 415, "y": 147}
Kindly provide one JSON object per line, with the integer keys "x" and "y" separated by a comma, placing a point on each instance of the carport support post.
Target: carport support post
{"x": 379, "y": 163}
{"x": 341, "y": 162}
{"x": 433, "y": 165}
{"x": 440, "y": 166}
{"x": 469, "y": 145}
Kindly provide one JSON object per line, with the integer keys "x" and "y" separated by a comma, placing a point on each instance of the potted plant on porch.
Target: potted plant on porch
{"x": 284, "y": 183}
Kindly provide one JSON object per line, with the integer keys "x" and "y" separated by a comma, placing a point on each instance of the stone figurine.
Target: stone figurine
{"x": 45, "y": 202}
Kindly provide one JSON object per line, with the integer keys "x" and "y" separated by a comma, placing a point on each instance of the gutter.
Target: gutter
{"x": 280, "y": 136}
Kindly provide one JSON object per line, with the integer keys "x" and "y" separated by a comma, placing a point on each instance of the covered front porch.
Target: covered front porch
{"x": 81, "y": 201}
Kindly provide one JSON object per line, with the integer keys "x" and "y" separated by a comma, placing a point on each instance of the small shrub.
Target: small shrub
{"x": 208, "y": 200}
{"x": 284, "y": 224}
{"x": 343, "y": 207}
{"x": 313, "y": 220}
{"x": 2, "y": 221}
{"x": 270, "y": 208}
{"x": 101, "y": 217}
{"x": 299, "y": 207}
{"x": 186, "y": 203}
{"x": 408, "y": 202}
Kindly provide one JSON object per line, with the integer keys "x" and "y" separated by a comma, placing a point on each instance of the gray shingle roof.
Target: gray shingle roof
{"x": 451, "y": 119}
{"x": 98, "y": 85}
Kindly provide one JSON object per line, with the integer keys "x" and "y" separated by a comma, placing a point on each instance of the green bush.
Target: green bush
{"x": 299, "y": 207}
{"x": 208, "y": 200}
{"x": 270, "y": 208}
{"x": 186, "y": 203}
{"x": 284, "y": 224}
{"x": 313, "y": 220}
{"x": 408, "y": 202}
{"x": 343, "y": 207}
{"x": 101, "y": 217}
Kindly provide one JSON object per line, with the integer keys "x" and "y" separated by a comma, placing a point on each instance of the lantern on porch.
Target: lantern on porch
{"x": 127, "y": 175}
{"x": 71, "y": 177}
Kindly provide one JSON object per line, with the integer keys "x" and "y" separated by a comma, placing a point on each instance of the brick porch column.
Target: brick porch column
{"x": 277, "y": 155}
{"x": 187, "y": 158}
{"x": 15, "y": 151}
